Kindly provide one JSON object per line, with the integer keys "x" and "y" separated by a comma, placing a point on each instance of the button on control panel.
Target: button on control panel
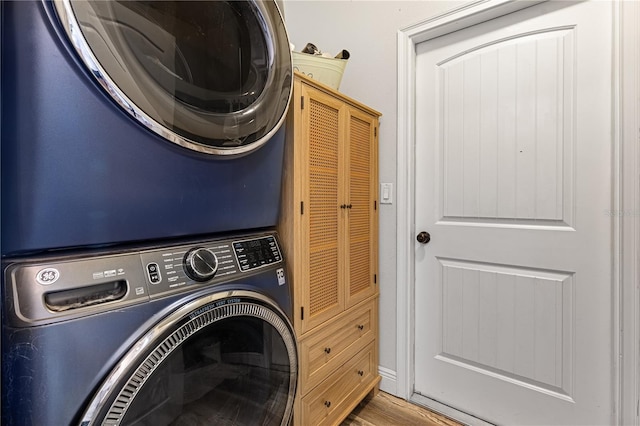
{"x": 153, "y": 273}
{"x": 256, "y": 253}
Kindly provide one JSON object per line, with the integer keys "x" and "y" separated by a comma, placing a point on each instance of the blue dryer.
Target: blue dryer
{"x": 139, "y": 120}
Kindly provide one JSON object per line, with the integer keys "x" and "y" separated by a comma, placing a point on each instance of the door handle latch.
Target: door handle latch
{"x": 423, "y": 237}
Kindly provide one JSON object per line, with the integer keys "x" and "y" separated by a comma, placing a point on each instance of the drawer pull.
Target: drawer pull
{"x": 361, "y": 327}
{"x": 327, "y": 404}
{"x": 327, "y": 350}
{"x": 360, "y": 373}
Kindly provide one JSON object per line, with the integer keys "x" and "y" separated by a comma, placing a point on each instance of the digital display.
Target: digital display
{"x": 256, "y": 253}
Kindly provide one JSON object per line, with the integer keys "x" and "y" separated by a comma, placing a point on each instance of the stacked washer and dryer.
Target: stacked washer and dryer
{"x": 141, "y": 162}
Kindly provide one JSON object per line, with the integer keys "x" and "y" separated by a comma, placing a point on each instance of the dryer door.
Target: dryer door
{"x": 222, "y": 359}
{"x": 213, "y": 76}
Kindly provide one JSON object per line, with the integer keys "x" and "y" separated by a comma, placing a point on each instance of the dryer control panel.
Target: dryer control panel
{"x": 54, "y": 289}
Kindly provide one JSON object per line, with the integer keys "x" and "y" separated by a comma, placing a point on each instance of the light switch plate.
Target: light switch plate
{"x": 386, "y": 193}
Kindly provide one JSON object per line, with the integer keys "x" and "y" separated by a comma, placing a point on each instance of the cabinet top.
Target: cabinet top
{"x": 333, "y": 92}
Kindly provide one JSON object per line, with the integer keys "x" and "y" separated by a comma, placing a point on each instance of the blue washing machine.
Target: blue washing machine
{"x": 139, "y": 120}
{"x": 194, "y": 333}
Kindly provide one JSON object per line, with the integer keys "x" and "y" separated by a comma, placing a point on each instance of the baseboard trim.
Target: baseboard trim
{"x": 389, "y": 383}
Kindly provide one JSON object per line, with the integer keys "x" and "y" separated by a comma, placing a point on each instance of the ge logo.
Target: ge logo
{"x": 48, "y": 276}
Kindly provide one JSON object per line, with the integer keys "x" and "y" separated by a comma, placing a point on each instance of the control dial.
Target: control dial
{"x": 200, "y": 264}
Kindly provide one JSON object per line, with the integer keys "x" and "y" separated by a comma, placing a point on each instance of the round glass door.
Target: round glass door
{"x": 212, "y": 76}
{"x": 215, "y": 361}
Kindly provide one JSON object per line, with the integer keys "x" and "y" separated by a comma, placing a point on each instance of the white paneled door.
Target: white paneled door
{"x": 513, "y": 296}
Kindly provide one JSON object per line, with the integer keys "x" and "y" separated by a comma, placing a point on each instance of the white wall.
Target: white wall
{"x": 368, "y": 29}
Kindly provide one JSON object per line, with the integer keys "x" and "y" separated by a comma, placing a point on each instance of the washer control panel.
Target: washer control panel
{"x": 52, "y": 289}
{"x": 256, "y": 253}
{"x": 180, "y": 266}
{"x": 168, "y": 270}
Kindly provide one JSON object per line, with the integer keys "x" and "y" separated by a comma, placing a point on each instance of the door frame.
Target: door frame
{"x": 625, "y": 211}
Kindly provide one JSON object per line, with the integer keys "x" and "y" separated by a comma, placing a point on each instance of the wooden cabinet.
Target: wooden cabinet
{"x": 332, "y": 401}
{"x": 329, "y": 232}
{"x": 322, "y": 352}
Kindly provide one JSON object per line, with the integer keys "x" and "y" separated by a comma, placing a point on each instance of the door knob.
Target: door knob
{"x": 423, "y": 237}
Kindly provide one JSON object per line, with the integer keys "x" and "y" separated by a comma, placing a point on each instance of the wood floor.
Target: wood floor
{"x": 387, "y": 410}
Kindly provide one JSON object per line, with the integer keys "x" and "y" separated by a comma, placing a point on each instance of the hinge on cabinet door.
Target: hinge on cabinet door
{"x": 301, "y": 207}
{"x": 375, "y": 278}
{"x": 375, "y": 204}
{"x": 301, "y": 102}
{"x": 301, "y": 312}
{"x": 375, "y": 131}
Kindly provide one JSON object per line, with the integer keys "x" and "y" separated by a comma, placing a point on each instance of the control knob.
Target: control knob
{"x": 200, "y": 264}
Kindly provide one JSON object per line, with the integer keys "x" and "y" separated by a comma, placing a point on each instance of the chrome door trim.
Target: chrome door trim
{"x": 147, "y": 345}
{"x": 69, "y": 22}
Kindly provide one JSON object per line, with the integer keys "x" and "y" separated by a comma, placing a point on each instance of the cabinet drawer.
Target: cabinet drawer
{"x": 329, "y": 402}
{"x": 326, "y": 349}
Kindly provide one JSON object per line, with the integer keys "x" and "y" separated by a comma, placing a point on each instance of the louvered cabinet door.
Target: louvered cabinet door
{"x": 362, "y": 211}
{"x": 329, "y": 232}
{"x": 322, "y": 295}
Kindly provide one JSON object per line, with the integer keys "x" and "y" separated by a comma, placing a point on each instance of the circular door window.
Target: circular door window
{"x": 213, "y": 76}
{"x": 217, "y": 360}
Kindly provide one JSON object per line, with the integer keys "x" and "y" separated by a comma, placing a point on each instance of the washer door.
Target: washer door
{"x": 213, "y": 76}
{"x": 222, "y": 359}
